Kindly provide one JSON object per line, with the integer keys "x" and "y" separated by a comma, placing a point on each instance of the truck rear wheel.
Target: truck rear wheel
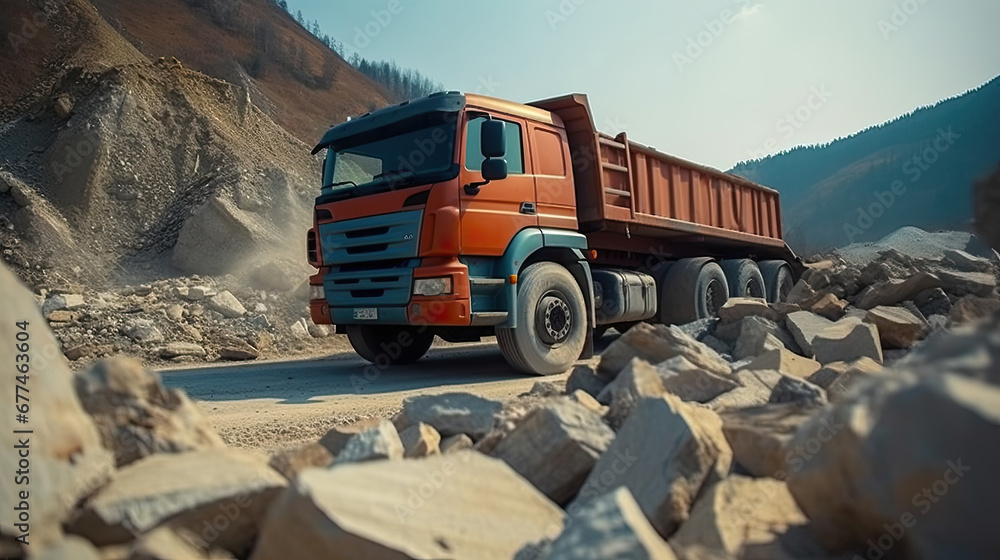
{"x": 551, "y": 321}
{"x": 778, "y": 279}
{"x": 390, "y": 345}
{"x": 744, "y": 278}
{"x": 692, "y": 289}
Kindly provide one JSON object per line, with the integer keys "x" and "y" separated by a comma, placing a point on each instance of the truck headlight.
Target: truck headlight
{"x": 316, "y": 291}
{"x": 431, "y": 286}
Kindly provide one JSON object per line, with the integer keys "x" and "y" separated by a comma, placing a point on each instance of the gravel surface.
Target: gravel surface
{"x": 916, "y": 243}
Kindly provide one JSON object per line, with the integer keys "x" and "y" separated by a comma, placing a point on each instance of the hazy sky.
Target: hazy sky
{"x": 716, "y": 81}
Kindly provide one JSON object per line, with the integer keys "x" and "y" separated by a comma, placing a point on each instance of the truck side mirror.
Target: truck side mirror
{"x": 494, "y": 169}
{"x": 493, "y": 139}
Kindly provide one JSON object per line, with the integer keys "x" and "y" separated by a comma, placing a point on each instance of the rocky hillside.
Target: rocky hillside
{"x": 916, "y": 170}
{"x": 854, "y": 420}
{"x": 113, "y": 165}
{"x": 253, "y": 44}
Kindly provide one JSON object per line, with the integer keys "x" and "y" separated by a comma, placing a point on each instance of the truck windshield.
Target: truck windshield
{"x": 395, "y": 157}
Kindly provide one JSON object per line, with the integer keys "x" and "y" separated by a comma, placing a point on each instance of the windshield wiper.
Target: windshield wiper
{"x": 342, "y": 183}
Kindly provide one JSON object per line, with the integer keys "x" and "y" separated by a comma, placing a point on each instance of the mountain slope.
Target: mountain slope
{"x": 916, "y": 170}
{"x": 298, "y": 81}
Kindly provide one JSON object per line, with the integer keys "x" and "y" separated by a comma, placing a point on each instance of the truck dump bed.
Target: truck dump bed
{"x": 623, "y": 187}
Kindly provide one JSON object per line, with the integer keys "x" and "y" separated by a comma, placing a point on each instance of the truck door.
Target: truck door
{"x": 494, "y": 215}
{"x": 553, "y": 183}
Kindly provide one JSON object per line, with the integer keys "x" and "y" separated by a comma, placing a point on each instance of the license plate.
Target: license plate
{"x": 366, "y": 313}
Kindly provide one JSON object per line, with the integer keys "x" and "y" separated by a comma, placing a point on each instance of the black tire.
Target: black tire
{"x": 692, "y": 289}
{"x": 744, "y": 278}
{"x": 390, "y": 345}
{"x": 551, "y": 321}
{"x": 778, "y": 279}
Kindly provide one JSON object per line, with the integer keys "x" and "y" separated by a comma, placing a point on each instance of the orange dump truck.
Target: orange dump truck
{"x": 464, "y": 216}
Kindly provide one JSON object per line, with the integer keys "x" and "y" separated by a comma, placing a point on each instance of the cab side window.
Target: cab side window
{"x": 474, "y": 153}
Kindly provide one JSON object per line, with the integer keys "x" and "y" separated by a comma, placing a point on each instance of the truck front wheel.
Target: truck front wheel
{"x": 551, "y": 322}
{"x": 390, "y": 345}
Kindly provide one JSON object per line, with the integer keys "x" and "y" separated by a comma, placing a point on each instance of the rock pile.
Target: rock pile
{"x": 197, "y": 318}
{"x": 671, "y": 447}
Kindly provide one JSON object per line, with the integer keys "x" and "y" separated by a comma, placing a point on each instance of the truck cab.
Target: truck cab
{"x": 456, "y": 215}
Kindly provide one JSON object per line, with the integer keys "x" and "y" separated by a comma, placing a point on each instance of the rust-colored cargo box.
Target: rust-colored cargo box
{"x": 623, "y": 187}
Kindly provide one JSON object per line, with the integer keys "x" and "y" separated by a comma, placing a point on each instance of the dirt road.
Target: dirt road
{"x": 273, "y": 405}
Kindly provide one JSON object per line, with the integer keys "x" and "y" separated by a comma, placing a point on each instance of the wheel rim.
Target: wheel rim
{"x": 553, "y": 318}
{"x": 715, "y": 297}
{"x": 784, "y": 288}
{"x": 754, "y": 289}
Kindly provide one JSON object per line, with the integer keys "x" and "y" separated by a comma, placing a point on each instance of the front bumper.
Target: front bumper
{"x": 453, "y": 309}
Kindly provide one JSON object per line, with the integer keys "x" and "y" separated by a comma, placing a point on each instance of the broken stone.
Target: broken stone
{"x": 380, "y": 442}
{"x": 179, "y": 349}
{"x": 664, "y": 474}
{"x": 166, "y": 543}
{"x": 174, "y": 312}
{"x": 69, "y": 547}
{"x": 336, "y": 438}
{"x": 755, "y": 388}
{"x": 838, "y": 377}
{"x": 376, "y": 510}
{"x": 979, "y": 284}
{"x": 691, "y": 383}
{"x": 609, "y": 526}
{"x": 784, "y": 309}
{"x": 587, "y": 401}
{"x": 756, "y": 337}
{"x": 797, "y": 390}
{"x": 585, "y": 378}
{"x": 933, "y": 302}
{"x": 638, "y": 380}
{"x": 198, "y": 293}
{"x": 830, "y": 307}
{"x": 967, "y": 263}
{"x": 897, "y": 327}
{"x": 67, "y": 459}
{"x": 655, "y": 344}
{"x": 889, "y": 448}
{"x": 455, "y": 443}
{"x": 741, "y": 517}
{"x": 137, "y": 417}
{"x": 290, "y": 463}
{"x": 802, "y": 294}
{"x": 846, "y": 340}
{"x": 420, "y": 440}
{"x": 785, "y": 362}
{"x": 805, "y": 326}
{"x": 142, "y": 331}
{"x": 186, "y": 491}
{"x": 450, "y": 413}
{"x": 973, "y": 308}
{"x": 759, "y": 436}
{"x": 300, "y": 329}
{"x": 736, "y": 308}
{"x": 891, "y": 292}
{"x": 226, "y": 303}
{"x": 555, "y": 447}
{"x": 242, "y": 352}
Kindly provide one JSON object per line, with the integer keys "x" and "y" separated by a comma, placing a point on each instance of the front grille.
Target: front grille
{"x": 372, "y": 259}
